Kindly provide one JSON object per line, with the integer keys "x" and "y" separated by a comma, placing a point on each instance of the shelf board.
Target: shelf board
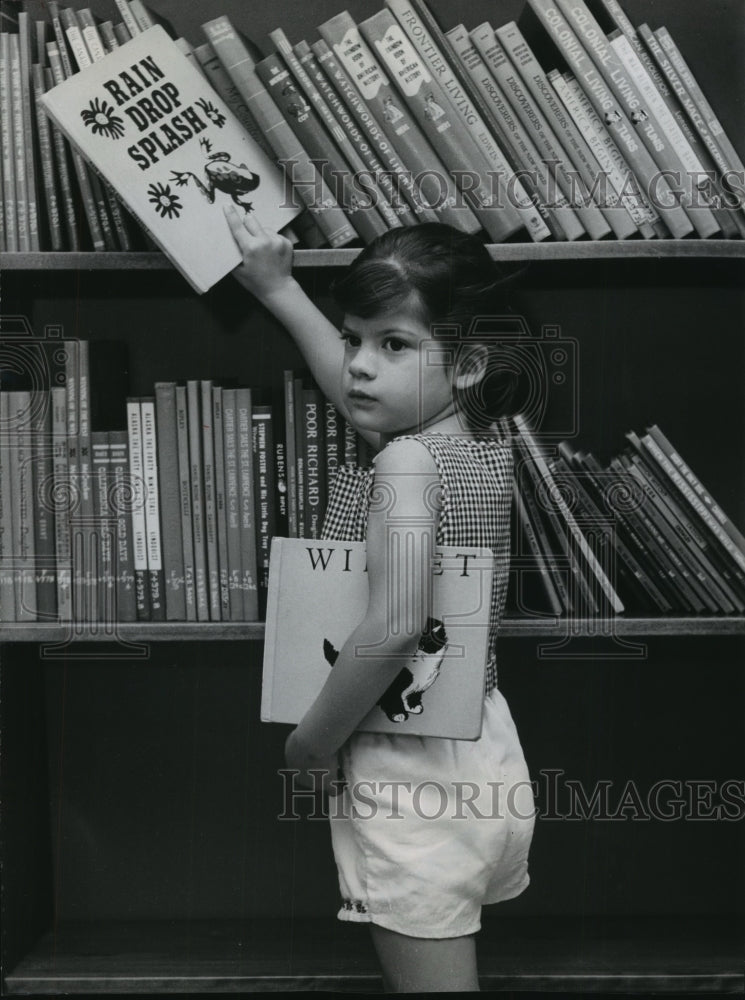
{"x": 546, "y": 628}
{"x": 572, "y": 955}
{"x": 589, "y": 250}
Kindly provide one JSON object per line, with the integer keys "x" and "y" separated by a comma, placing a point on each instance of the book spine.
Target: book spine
{"x": 88, "y": 564}
{"x": 232, "y": 505}
{"x": 300, "y": 456}
{"x": 93, "y": 48}
{"x": 315, "y": 461}
{"x": 641, "y": 115}
{"x": 19, "y": 146}
{"x": 168, "y": 491}
{"x": 264, "y": 494}
{"x": 46, "y": 163}
{"x": 247, "y": 506}
{"x": 22, "y": 485}
{"x": 535, "y": 174}
{"x": 141, "y": 15}
{"x": 441, "y": 125}
{"x": 128, "y": 18}
{"x": 291, "y": 453}
{"x": 61, "y": 503}
{"x": 281, "y": 506}
{"x": 119, "y": 505}
{"x": 700, "y": 182}
{"x": 104, "y": 616}
{"x": 309, "y": 131}
{"x": 538, "y": 128}
{"x": 306, "y": 181}
{"x": 184, "y": 491}
{"x": 401, "y": 181}
{"x": 382, "y": 191}
{"x": 709, "y": 585}
{"x": 732, "y": 196}
{"x": 218, "y": 437}
{"x": 139, "y": 529}
{"x": 697, "y": 96}
{"x": 41, "y": 479}
{"x": 339, "y": 149}
{"x": 10, "y": 213}
{"x": 614, "y": 169}
{"x": 534, "y": 453}
{"x": 85, "y": 182}
{"x": 210, "y": 510}
{"x": 27, "y": 113}
{"x": 634, "y": 151}
{"x": 350, "y": 444}
{"x": 591, "y": 180}
{"x": 690, "y": 487}
{"x": 67, "y": 199}
{"x": 332, "y": 433}
{"x": 531, "y": 539}
{"x": 196, "y": 477}
{"x": 7, "y": 586}
{"x": 435, "y": 185}
{"x": 481, "y": 148}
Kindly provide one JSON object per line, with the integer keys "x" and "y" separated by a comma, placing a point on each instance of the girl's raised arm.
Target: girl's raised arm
{"x": 266, "y": 272}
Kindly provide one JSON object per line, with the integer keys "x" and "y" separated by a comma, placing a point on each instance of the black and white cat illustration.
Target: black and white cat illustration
{"x": 403, "y": 696}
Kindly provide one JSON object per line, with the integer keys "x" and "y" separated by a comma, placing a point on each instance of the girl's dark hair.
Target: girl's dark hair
{"x": 451, "y": 281}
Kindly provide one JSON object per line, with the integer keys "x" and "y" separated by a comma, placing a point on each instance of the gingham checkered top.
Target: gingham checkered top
{"x": 476, "y": 482}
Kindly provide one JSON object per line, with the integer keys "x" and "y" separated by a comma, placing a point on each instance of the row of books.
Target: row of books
{"x": 659, "y": 541}
{"x": 171, "y": 517}
{"x": 577, "y": 124}
{"x": 167, "y": 518}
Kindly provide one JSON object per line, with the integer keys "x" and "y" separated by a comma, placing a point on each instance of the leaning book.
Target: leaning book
{"x": 152, "y": 125}
{"x": 318, "y": 595}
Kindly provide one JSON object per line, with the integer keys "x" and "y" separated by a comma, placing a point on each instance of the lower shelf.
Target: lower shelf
{"x": 548, "y": 627}
{"x": 547, "y": 954}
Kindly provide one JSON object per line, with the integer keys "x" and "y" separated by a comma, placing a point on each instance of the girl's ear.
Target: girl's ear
{"x": 471, "y": 366}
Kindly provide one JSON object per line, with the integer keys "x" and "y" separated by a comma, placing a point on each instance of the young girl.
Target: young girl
{"x": 452, "y": 820}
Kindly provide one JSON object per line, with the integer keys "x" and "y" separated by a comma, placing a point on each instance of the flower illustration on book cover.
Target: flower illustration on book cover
{"x": 166, "y": 203}
{"x": 403, "y": 696}
{"x": 221, "y": 174}
{"x": 100, "y": 118}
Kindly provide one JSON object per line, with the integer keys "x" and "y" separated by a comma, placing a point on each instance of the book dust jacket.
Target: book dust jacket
{"x": 152, "y": 125}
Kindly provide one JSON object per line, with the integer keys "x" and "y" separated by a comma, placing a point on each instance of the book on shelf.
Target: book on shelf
{"x": 48, "y": 169}
{"x": 232, "y": 505}
{"x": 279, "y": 73}
{"x": 435, "y": 46}
{"x": 196, "y": 489}
{"x": 434, "y": 184}
{"x": 595, "y": 86}
{"x": 7, "y": 569}
{"x": 139, "y": 527}
{"x": 440, "y": 123}
{"x": 60, "y": 491}
{"x": 185, "y": 159}
{"x": 590, "y": 179}
{"x": 28, "y": 127}
{"x": 218, "y": 434}
{"x": 247, "y": 505}
{"x": 301, "y": 442}
{"x": 563, "y": 193}
{"x": 210, "y": 499}
{"x": 119, "y": 505}
{"x": 318, "y": 594}
{"x": 307, "y": 182}
{"x": 184, "y": 492}
{"x": 537, "y": 176}
{"x": 10, "y": 217}
{"x": 169, "y": 497}
{"x": 262, "y": 429}
{"x": 530, "y": 531}
{"x": 641, "y": 115}
{"x": 370, "y": 171}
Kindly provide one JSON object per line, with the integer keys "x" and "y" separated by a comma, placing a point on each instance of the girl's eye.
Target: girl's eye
{"x": 350, "y": 339}
{"x": 395, "y": 345}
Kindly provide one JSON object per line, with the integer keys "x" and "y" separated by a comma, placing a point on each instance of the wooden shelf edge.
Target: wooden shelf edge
{"x": 548, "y": 628}
{"x": 586, "y": 251}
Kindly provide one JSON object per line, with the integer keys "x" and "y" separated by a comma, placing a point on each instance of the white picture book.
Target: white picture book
{"x": 152, "y": 125}
{"x": 318, "y": 595}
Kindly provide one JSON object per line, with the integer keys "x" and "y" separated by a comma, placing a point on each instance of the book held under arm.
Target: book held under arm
{"x": 151, "y": 124}
{"x": 318, "y": 595}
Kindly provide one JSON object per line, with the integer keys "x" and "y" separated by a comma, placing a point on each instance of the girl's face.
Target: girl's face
{"x": 389, "y": 381}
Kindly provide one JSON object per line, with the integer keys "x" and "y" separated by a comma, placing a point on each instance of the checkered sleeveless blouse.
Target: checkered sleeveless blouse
{"x": 476, "y": 481}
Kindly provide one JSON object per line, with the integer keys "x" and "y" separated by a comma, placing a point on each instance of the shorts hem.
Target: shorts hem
{"x": 352, "y": 916}
{"x": 510, "y": 894}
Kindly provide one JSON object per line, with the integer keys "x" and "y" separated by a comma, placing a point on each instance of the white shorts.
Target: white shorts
{"x": 427, "y": 830}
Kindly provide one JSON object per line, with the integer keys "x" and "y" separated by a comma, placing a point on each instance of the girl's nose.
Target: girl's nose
{"x": 362, "y": 364}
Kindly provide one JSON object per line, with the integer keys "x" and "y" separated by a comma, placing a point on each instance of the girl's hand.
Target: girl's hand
{"x": 297, "y": 759}
{"x": 267, "y": 257}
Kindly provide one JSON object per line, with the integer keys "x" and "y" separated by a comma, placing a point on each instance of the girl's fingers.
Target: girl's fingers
{"x": 239, "y": 225}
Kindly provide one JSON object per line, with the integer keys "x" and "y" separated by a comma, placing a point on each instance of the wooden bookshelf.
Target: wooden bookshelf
{"x": 573, "y": 955}
{"x": 509, "y": 252}
{"x": 549, "y": 627}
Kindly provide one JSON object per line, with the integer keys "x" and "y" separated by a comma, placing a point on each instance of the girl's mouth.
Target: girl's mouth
{"x": 360, "y": 397}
